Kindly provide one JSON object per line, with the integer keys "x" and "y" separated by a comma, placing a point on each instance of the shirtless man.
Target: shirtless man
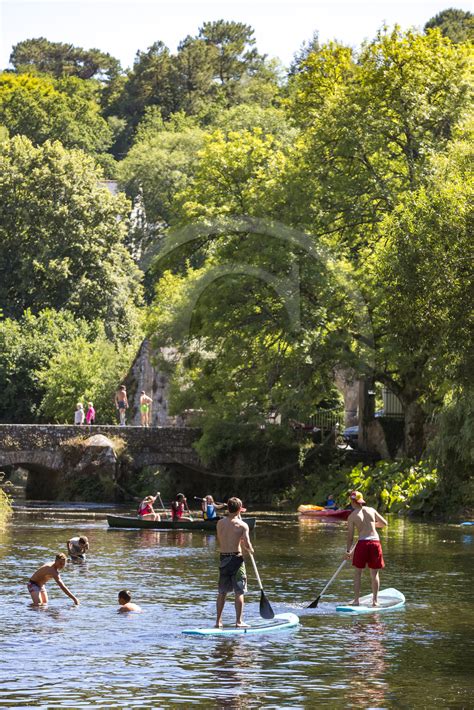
{"x": 121, "y": 402}
{"x": 125, "y": 601}
{"x": 368, "y": 550}
{"x": 232, "y": 536}
{"x": 36, "y": 584}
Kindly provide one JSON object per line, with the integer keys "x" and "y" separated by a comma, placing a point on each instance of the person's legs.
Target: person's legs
{"x": 44, "y": 596}
{"x": 220, "y": 608}
{"x": 122, "y": 417}
{"x": 375, "y": 580}
{"x": 239, "y": 609}
{"x": 357, "y": 580}
{"x": 35, "y": 594}
{"x": 143, "y": 418}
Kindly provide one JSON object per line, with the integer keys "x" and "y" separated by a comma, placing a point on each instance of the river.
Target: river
{"x": 89, "y": 656}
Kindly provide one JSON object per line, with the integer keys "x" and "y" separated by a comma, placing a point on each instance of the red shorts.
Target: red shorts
{"x": 368, "y": 552}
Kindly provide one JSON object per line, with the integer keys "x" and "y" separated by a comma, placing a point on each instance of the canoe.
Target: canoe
{"x": 127, "y": 521}
{"x": 280, "y": 622}
{"x": 389, "y": 600}
{"x": 324, "y": 514}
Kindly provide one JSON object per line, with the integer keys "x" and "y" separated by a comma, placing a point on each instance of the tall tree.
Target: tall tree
{"x": 458, "y": 25}
{"x": 59, "y": 60}
{"x": 45, "y": 109}
{"x": 62, "y": 238}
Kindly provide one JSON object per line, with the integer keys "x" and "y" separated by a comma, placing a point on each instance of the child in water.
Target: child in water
{"x": 125, "y": 601}
{"x": 36, "y": 584}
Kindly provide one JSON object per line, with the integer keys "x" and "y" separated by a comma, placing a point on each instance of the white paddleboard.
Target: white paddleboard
{"x": 279, "y": 623}
{"x": 388, "y": 599}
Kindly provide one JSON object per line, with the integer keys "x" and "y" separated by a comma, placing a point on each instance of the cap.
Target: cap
{"x": 357, "y": 497}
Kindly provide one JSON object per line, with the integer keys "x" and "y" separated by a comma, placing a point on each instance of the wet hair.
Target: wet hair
{"x": 83, "y": 540}
{"x": 60, "y": 556}
{"x": 234, "y": 505}
{"x": 125, "y": 595}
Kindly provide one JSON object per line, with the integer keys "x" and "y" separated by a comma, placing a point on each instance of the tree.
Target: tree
{"x": 59, "y": 60}
{"x": 369, "y": 123}
{"x": 44, "y": 109}
{"x": 62, "y": 238}
{"x": 458, "y": 25}
{"x": 419, "y": 290}
{"x": 83, "y": 370}
{"x": 235, "y": 53}
{"x": 26, "y": 347}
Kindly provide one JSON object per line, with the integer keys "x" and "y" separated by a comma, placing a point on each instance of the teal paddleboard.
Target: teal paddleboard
{"x": 389, "y": 600}
{"x": 279, "y": 623}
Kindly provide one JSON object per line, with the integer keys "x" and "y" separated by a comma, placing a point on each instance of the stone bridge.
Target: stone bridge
{"x": 41, "y": 447}
{"x": 94, "y": 463}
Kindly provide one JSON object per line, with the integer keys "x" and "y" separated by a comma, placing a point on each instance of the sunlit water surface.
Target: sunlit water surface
{"x": 90, "y": 656}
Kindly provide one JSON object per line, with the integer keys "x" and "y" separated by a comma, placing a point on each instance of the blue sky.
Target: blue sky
{"x": 121, "y": 27}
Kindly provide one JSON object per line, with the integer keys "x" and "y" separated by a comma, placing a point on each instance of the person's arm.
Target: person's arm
{"x": 350, "y": 538}
{"x": 245, "y": 540}
{"x": 203, "y": 506}
{"x": 380, "y": 522}
{"x": 62, "y": 586}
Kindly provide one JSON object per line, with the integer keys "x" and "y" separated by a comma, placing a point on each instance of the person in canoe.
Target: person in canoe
{"x": 233, "y": 538}
{"x": 145, "y": 509}
{"x": 178, "y": 507}
{"x": 125, "y": 601}
{"x": 368, "y": 550}
{"x": 77, "y": 548}
{"x": 210, "y": 508}
{"x": 330, "y": 503}
{"x": 36, "y": 585}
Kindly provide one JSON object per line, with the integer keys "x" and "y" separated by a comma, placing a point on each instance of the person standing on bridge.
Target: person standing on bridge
{"x": 79, "y": 414}
{"x": 121, "y": 402}
{"x": 90, "y": 414}
{"x": 145, "y": 406}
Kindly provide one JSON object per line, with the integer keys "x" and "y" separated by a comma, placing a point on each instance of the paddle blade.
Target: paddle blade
{"x": 266, "y": 611}
{"x": 314, "y": 604}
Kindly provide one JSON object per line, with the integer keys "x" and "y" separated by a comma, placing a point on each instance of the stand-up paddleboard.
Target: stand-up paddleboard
{"x": 279, "y": 623}
{"x": 388, "y": 599}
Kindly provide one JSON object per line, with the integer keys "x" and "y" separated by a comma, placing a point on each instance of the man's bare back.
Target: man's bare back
{"x": 366, "y": 520}
{"x": 231, "y": 533}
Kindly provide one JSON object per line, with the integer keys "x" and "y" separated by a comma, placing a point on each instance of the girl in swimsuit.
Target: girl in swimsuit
{"x": 145, "y": 509}
{"x": 145, "y": 402}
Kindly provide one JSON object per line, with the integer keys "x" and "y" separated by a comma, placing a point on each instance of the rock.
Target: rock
{"x": 98, "y": 456}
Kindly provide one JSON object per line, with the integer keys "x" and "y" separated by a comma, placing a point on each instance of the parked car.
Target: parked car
{"x": 350, "y": 435}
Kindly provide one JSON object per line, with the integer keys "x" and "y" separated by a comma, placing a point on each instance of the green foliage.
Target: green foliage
{"x": 26, "y": 347}
{"x": 395, "y": 486}
{"x": 44, "y": 109}
{"x": 458, "y": 25}
{"x": 59, "y": 59}
{"x": 453, "y": 448}
{"x": 61, "y": 238}
{"x": 5, "y": 506}
{"x": 82, "y": 370}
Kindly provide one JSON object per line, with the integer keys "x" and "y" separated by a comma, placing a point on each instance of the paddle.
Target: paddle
{"x": 266, "y": 611}
{"x": 314, "y": 604}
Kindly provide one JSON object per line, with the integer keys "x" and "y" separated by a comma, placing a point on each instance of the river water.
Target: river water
{"x": 89, "y": 656}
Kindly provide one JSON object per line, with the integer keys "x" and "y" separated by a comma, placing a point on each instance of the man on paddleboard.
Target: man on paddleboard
{"x": 368, "y": 550}
{"x": 232, "y": 536}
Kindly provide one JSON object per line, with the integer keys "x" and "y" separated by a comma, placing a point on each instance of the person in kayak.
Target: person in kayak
{"x": 330, "y": 503}
{"x": 210, "y": 508}
{"x": 368, "y": 550}
{"x": 178, "y": 507}
{"x": 36, "y": 585}
{"x": 145, "y": 509}
{"x": 77, "y": 548}
{"x": 233, "y": 538}
{"x": 125, "y": 601}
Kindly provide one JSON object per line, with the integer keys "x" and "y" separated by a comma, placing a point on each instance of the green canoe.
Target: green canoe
{"x": 127, "y": 521}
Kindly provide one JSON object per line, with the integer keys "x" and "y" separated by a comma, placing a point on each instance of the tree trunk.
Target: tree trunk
{"x": 414, "y": 430}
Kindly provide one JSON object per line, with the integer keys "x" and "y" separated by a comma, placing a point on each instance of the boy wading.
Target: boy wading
{"x": 232, "y": 536}
{"x": 368, "y": 551}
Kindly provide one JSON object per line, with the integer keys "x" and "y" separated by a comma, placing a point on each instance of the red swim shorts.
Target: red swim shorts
{"x": 368, "y": 552}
